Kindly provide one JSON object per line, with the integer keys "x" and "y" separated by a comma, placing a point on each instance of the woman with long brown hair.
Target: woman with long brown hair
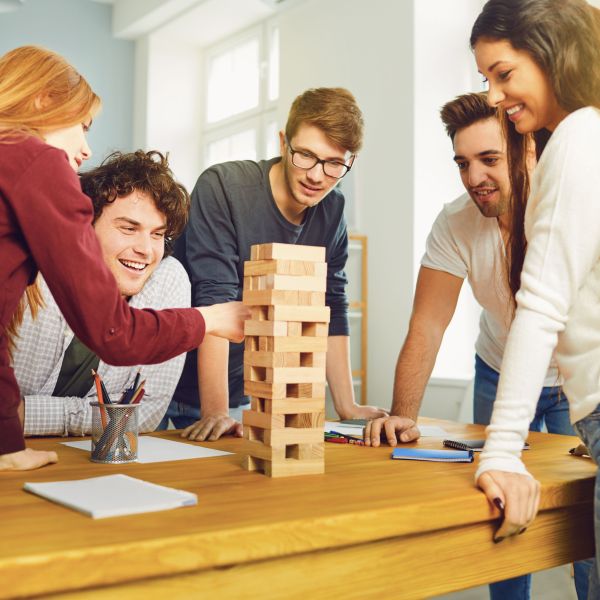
{"x": 46, "y": 108}
{"x": 542, "y": 61}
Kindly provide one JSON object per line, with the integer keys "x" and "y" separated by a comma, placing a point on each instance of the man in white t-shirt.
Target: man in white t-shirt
{"x": 468, "y": 241}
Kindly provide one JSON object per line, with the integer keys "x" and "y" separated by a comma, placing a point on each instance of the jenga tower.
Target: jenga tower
{"x": 284, "y": 359}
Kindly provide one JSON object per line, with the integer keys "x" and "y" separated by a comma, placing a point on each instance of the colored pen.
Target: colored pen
{"x": 100, "y": 398}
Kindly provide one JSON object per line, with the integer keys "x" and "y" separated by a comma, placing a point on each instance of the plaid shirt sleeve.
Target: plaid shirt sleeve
{"x": 41, "y": 348}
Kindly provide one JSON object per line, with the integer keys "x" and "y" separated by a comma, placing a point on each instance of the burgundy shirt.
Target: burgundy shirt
{"x": 46, "y": 225}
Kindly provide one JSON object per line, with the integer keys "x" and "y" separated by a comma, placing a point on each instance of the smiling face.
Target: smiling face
{"x": 518, "y": 85}
{"x": 480, "y": 154}
{"x": 131, "y": 232}
{"x": 307, "y": 187}
{"x": 73, "y": 141}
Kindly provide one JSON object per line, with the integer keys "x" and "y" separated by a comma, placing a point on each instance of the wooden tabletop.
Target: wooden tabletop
{"x": 369, "y": 525}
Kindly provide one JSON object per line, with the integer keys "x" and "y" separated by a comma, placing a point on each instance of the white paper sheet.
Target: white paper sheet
{"x": 153, "y": 449}
{"x": 112, "y": 495}
{"x": 346, "y": 428}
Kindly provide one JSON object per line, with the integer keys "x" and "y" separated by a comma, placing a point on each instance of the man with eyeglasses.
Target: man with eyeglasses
{"x": 289, "y": 199}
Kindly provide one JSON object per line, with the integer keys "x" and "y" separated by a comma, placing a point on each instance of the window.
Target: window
{"x": 242, "y": 89}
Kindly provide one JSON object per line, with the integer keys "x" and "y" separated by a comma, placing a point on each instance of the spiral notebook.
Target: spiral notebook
{"x": 475, "y": 445}
{"x": 433, "y": 455}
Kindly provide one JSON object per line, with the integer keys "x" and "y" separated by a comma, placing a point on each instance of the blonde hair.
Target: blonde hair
{"x": 39, "y": 91}
{"x": 334, "y": 111}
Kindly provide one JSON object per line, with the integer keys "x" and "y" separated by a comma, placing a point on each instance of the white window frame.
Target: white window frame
{"x": 258, "y": 117}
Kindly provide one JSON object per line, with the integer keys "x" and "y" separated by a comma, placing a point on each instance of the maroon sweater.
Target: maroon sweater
{"x": 45, "y": 225}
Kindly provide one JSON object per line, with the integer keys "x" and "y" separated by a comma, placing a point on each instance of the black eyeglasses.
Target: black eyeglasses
{"x": 306, "y": 160}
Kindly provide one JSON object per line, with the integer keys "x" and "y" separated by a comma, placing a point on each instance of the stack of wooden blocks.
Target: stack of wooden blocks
{"x": 284, "y": 359}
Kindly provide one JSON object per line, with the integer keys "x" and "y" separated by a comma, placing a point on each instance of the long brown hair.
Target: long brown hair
{"x": 563, "y": 38}
{"x": 39, "y": 91}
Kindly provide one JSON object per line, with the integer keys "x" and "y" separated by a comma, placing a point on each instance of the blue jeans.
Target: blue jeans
{"x": 589, "y": 431}
{"x": 183, "y": 415}
{"x": 553, "y": 411}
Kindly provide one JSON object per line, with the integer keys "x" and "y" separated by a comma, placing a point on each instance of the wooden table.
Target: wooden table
{"x": 369, "y": 526}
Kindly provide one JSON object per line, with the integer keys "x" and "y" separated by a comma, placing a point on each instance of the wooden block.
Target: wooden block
{"x": 251, "y": 343}
{"x": 294, "y": 344}
{"x": 284, "y": 267}
{"x": 264, "y": 390}
{"x": 260, "y": 313}
{"x": 313, "y": 359}
{"x": 294, "y": 328}
{"x": 259, "y": 404}
{"x": 305, "y": 390}
{"x": 291, "y": 467}
{"x": 253, "y": 464}
{"x": 289, "y": 252}
{"x": 295, "y": 406}
{"x": 315, "y": 329}
{"x": 260, "y": 450}
{"x": 292, "y": 435}
{"x": 306, "y": 451}
{"x": 299, "y": 313}
{"x": 273, "y": 359}
{"x": 255, "y": 252}
{"x": 265, "y": 328}
{"x": 254, "y": 374}
{"x": 289, "y": 374}
{"x": 311, "y": 298}
{"x": 270, "y": 297}
{"x": 305, "y": 420}
{"x": 294, "y": 282}
{"x": 284, "y": 468}
{"x": 264, "y": 420}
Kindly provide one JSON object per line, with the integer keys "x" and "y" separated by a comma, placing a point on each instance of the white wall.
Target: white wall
{"x": 171, "y": 73}
{"x": 81, "y": 31}
{"x": 367, "y": 47}
{"x": 444, "y": 68}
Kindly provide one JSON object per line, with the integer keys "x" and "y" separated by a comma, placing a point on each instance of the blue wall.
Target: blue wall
{"x": 80, "y": 30}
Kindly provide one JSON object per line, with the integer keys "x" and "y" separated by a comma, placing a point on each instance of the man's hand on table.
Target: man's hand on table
{"x": 26, "y": 460}
{"x": 212, "y": 427}
{"x": 397, "y": 429}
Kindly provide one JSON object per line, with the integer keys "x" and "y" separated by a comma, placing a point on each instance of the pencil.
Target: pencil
{"x": 100, "y": 398}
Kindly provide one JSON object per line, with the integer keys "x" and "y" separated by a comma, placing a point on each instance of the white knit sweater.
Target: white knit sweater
{"x": 558, "y": 304}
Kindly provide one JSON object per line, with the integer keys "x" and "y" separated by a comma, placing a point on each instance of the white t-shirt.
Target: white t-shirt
{"x": 559, "y": 300}
{"x": 468, "y": 245}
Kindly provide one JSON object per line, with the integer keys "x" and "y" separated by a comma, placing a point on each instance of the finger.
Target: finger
{"x": 390, "y": 433}
{"x": 188, "y": 430}
{"x": 410, "y": 435}
{"x": 43, "y": 458}
{"x": 534, "y": 502}
{"x": 200, "y": 429}
{"x": 492, "y": 491}
{"x": 375, "y": 432}
{"x": 220, "y": 428}
{"x": 367, "y": 433}
{"x": 238, "y": 429}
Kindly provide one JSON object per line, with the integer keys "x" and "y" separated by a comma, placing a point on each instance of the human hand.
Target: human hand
{"x": 516, "y": 495}
{"x": 396, "y": 429}
{"x": 358, "y": 411}
{"x": 26, "y": 460}
{"x": 212, "y": 427}
{"x": 225, "y": 320}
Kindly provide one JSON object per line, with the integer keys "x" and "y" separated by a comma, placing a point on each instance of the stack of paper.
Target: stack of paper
{"x": 112, "y": 495}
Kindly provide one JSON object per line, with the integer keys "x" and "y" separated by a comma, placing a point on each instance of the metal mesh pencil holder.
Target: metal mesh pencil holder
{"x": 114, "y": 433}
